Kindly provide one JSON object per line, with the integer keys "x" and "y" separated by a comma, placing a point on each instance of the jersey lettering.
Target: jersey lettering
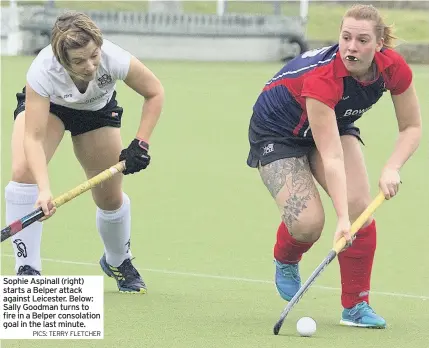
{"x": 351, "y": 112}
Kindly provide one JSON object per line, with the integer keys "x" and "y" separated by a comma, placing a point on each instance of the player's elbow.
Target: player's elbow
{"x": 413, "y": 123}
{"x": 330, "y": 149}
{"x": 34, "y": 136}
{"x": 157, "y": 91}
{"x": 412, "y": 132}
{"x": 332, "y": 160}
{"x": 33, "y": 133}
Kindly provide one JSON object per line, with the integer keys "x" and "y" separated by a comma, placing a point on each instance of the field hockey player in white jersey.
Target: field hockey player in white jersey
{"x": 71, "y": 87}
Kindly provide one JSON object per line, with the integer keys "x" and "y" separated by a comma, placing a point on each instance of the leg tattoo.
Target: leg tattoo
{"x": 295, "y": 175}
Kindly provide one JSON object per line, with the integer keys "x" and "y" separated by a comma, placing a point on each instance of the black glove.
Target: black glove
{"x": 135, "y": 156}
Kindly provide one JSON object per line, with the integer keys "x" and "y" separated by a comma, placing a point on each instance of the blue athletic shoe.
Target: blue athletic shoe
{"x": 288, "y": 280}
{"x": 127, "y": 277}
{"x": 362, "y": 315}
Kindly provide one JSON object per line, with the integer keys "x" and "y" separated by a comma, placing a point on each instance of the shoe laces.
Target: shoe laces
{"x": 362, "y": 308}
{"x": 27, "y": 270}
{"x": 128, "y": 270}
{"x": 290, "y": 270}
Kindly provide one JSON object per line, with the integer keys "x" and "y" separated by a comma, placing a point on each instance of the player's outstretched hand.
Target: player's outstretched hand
{"x": 44, "y": 200}
{"x": 389, "y": 182}
{"x": 136, "y": 156}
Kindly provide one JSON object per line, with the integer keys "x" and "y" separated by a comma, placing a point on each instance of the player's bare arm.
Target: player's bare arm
{"x": 324, "y": 127}
{"x": 325, "y": 133}
{"x": 144, "y": 82}
{"x": 410, "y": 130}
{"x": 408, "y": 115}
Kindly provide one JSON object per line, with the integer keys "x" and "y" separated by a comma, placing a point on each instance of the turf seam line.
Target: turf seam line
{"x": 239, "y": 279}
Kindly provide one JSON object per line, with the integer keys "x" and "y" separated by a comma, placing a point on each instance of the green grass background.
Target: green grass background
{"x": 204, "y": 225}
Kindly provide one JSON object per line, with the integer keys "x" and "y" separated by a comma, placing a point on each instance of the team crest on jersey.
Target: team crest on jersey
{"x": 268, "y": 149}
{"x": 104, "y": 80}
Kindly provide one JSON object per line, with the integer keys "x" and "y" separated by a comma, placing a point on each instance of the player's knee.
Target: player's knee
{"x": 21, "y": 173}
{"x": 357, "y": 204}
{"x": 108, "y": 200}
{"x": 308, "y": 229}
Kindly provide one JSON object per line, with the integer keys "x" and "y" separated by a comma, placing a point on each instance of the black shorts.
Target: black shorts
{"x": 81, "y": 121}
{"x": 267, "y": 147}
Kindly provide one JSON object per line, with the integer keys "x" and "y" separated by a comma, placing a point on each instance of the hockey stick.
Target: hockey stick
{"x": 37, "y": 214}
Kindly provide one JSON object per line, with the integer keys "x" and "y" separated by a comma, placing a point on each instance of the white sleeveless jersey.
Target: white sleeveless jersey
{"x": 49, "y": 78}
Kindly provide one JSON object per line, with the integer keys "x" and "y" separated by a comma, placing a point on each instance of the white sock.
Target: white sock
{"x": 20, "y": 200}
{"x": 115, "y": 230}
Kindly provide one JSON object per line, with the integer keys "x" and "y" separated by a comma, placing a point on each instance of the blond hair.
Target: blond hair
{"x": 73, "y": 30}
{"x": 370, "y": 13}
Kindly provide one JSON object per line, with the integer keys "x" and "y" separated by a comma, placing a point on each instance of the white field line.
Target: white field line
{"x": 238, "y": 279}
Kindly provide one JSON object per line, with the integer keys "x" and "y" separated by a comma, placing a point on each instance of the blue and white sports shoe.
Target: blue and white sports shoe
{"x": 362, "y": 315}
{"x": 288, "y": 280}
{"x": 126, "y": 275}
